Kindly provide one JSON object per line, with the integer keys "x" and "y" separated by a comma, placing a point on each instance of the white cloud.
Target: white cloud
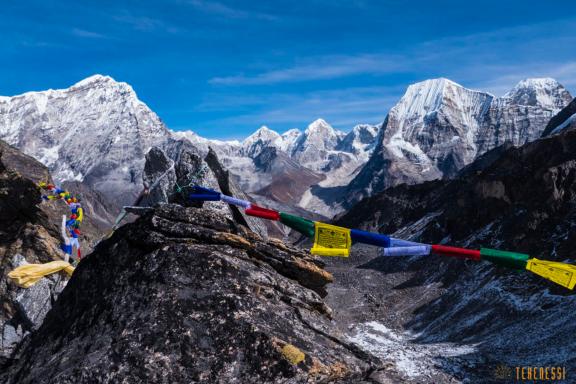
{"x": 507, "y": 55}
{"x": 320, "y": 68}
{"x": 342, "y": 108}
{"x": 220, "y": 9}
{"x": 88, "y": 34}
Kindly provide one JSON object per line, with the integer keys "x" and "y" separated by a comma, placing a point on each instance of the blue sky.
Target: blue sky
{"x": 223, "y": 68}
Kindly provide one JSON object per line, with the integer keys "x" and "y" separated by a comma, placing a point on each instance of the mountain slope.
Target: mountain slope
{"x": 289, "y": 180}
{"x": 284, "y": 168}
{"x": 522, "y": 200}
{"x": 439, "y": 126}
{"x": 96, "y": 131}
{"x": 565, "y": 119}
{"x": 189, "y": 298}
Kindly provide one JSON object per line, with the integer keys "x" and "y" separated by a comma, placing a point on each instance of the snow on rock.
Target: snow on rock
{"x": 96, "y": 131}
{"x": 410, "y": 358}
{"x": 569, "y": 122}
{"x": 438, "y": 127}
{"x": 331, "y": 154}
{"x": 543, "y": 92}
{"x": 263, "y": 137}
{"x": 360, "y": 141}
{"x": 564, "y": 120}
{"x": 312, "y": 147}
{"x": 289, "y": 139}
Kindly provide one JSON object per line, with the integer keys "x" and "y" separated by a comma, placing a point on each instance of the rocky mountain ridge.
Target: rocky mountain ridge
{"x": 438, "y": 127}
{"x": 564, "y": 120}
{"x": 98, "y": 132}
{"x": 519, "y": 199}
{"x": 332, "y": 156}
{"x": 189, "y": 296}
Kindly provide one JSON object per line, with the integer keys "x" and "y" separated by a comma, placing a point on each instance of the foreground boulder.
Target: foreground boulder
{"x": 26, "y": 236}
{"x": 30, "y": 233}
{"x": 185, "y": 295}
{"x": 171, "y": 181}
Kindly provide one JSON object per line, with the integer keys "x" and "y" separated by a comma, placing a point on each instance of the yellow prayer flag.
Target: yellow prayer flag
{"x": 29, "y": 274}
{"x": 560, "y": 273}
{"x": 330, "y": 240}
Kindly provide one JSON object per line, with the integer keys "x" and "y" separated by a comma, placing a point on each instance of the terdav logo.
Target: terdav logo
{"x": 533, "y": 374}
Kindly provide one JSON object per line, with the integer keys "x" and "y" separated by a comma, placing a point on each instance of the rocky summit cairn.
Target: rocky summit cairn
{"x": 185, "y": 295}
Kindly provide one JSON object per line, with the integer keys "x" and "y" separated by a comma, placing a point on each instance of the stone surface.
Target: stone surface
{"x": 172, "y": 181}
{"x": 188, "y": 296}
{"x": 438, "y": 127}
{"x": 519, "y": 199}
{"x": 564, "y": 120}
{"x": 27, "y": 234}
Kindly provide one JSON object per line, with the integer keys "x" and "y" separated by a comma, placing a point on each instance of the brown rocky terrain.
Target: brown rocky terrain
{"x": 186, "y": 295}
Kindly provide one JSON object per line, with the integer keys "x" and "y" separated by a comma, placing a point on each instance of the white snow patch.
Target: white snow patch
{"x": 49, "y": 156}
{"x": 564, "y": 124}
{"x": 411, "y": 359}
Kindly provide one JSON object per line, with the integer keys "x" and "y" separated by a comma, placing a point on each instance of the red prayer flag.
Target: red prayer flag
{"x": 263, "y": 213}
{"x": 456, "y": 252}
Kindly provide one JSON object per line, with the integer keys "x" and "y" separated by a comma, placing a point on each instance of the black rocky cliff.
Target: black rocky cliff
{"x": 518, "y": 199}
{"x": 30, "y": 233}
{"x": 185, "y": 295}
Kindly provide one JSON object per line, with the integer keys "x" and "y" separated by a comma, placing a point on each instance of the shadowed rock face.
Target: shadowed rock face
{"x": 184, "y": 295}
{"x": 172, "y": 181}
{"x": 439, "y": 127}
{"x": 564, "y": 120}
{"x": 26, "y": 234}
{"x": 520, "y": 199}
{"x": 30, "y": 233}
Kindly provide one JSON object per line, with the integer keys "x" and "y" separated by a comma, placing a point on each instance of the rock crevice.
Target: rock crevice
{"x": 187, "y": 295}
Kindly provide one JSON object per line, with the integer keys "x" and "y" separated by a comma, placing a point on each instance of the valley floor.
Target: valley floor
{"x": 372, "y": 307}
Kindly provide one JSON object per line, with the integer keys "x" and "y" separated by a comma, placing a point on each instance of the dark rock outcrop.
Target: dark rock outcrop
{"x": 228, "y": 187}
{"x": 523, "y": 199}
{"x": 30, "y": 233}
{"x": 184, "y": 295}
{"x": 26, "y": 235}
{"x": 562, "y": 118}
{"x": 171, "y": 181}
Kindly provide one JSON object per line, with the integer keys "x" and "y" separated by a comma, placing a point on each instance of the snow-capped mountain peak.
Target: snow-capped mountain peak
{"x": 263, "y": 137}
{"x": 96, "y": 131}
{"x": 545, "y": 92}
{"x": 439, "y": 126}
{"x": 289, "y": 138}
{"x": 321, "y": 135}
{"x": 360, "y": 140}
{"x": 364, "y": 129}
{"x": 428, "y": 96}
{"x": 263, "y": 133}
{"x": 318, "y": 125}
{"x": 97, "y": 78}
{"x": 291, "y": 134}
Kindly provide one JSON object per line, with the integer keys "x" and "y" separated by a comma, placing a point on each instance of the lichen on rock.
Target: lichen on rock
{"x": 187, "y": 295}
